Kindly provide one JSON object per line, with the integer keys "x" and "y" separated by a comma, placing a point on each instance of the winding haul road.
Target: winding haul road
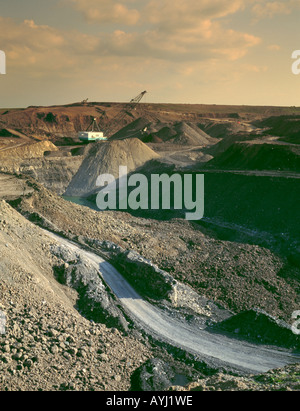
{"x": 216, "y": 348}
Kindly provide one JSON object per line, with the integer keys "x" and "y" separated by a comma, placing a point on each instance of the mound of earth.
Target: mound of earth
{"x": 132, "y": 130}
{"x": 226, "y": 142}
{"x": 28, "y": 150}
{"x": 286, "y": 127}
{"x": 148, "y": 131}
{"x": 106, "y": 158}
{"x": 261, "y": 327}
{"x": 166, "y": 133}
{"x": 222, "y": 129}
{"x": 152, "y": 138}
{"x": 265, "y": 156}
{"x": 163, "y": 135}
{"x": 188, "y": 134}
{"x": 159, "y": 132}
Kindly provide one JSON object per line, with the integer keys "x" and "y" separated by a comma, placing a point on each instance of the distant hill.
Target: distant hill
{"x": 59, "y": 121}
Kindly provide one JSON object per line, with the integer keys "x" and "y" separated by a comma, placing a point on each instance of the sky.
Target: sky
{"x": 191, "y": 51}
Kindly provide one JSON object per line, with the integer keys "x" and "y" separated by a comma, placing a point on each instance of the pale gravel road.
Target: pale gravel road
{"x": 217, "y": 349}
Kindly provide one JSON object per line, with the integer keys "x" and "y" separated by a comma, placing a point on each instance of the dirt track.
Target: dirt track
{"x": 214, "y": 348}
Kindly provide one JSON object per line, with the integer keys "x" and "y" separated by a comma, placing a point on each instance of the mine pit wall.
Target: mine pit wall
{"x": 53, "y": 173}
{"x": 266, "y": 206}
{"x": 50, "y": 124}
{"x": 94, "y": 301}
{"x": 136, "y": 269}
{"x": 262, "y": 203}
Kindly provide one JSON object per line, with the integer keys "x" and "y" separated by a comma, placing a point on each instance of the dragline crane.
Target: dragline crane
{"x": 93, "y": 132}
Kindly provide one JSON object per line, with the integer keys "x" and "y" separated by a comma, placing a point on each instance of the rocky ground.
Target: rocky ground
{"x": 49, "y": 345}
{"x": 287, "y": 379}
{"x": 50, "y": 342}
{"x": 238, "y": 276}
{"x": 55, "y": 173}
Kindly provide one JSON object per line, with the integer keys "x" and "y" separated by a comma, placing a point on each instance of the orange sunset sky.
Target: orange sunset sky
{"x": 192, "y": 51}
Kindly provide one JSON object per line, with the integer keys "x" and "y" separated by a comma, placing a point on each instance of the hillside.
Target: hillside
{"x": 48, "y": 344}
{"x": 57, "y": 122}
{"x": 286, "y": 127}
{"x": 257, "y": 156}
{"x": 194, "y": 254}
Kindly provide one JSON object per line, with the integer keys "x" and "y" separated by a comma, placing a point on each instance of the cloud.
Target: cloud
{"x": 177, "y": 14}
{"x": 209, "y": 40}
{"x": 40, "y": 50}
{"x": 165, "y": 14}
{"x": 269, "y": 9}
{"x": 107, "y": 11}
{"x": 44, "y": 48}
{"x": 274, "y": 47}
{"x": 147, "y": 44}
{"x": 190, "y": 30}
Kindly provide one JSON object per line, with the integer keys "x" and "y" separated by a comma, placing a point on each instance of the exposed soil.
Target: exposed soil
{"x": 57, "y": 122}
{"x": 244, "y": 254}
{"x": 259, "y": 156}
{"x": 48, "y": 345}
{"x": 27, "y": 150}
{"x": 239, "y": 276}
{"x": 106, "y": 158}
{"x": 55, "y": 173}
{"x": 286, "y": 379}
{"x": 286, "y": 127}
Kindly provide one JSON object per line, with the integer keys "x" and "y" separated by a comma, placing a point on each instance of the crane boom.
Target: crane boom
{"x": 138, "y": 98}
{"x": 95, "y": 134}
{"x": 110, "y": 130}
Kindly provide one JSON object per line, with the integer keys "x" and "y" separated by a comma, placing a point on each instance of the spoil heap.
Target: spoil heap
{"x": 106, "y": 158}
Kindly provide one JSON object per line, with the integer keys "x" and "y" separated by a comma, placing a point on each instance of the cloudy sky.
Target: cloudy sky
{"x": 180, "y": 51}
